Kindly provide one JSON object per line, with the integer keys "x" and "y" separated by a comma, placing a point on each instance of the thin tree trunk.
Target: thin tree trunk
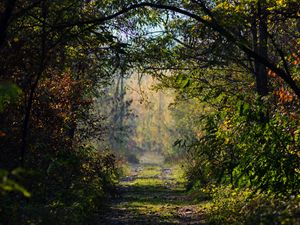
{"x": 259, "y": 44}
{"x": 28, "y": 107}
{"x": 255, "y": 41}
{"x": 262, "y": 79}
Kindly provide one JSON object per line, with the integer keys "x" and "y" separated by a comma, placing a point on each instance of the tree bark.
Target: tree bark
{"x": 28, "y": 106}
{"x": 261, "y": 70}
{"x": 216, "y": 26}
{"x": 259, "y": 43}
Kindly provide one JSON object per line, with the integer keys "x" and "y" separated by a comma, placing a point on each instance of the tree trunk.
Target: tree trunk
{"x": 260, "y": 42}
{"x": 262, "y": 79}
{"x": 28, "y": 106}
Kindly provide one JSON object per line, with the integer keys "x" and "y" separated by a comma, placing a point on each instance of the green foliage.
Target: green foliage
{"x": 71, "y": 192}
{"x": 232, "y": 206}
{"x": 58, "y": 68}
{"x": 61, "y": 63}
{"x": 271, "y": 162}
{"x": 239, "y": 148}
{"x": 9, "y": 93}
{"x": 7, "y": 184}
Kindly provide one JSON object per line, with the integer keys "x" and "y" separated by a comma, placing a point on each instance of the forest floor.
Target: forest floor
{"x": 153, "y": 194}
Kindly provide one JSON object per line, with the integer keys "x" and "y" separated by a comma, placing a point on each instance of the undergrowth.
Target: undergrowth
{"x": 72, "y": 191}
{"x": 225, "y": 205}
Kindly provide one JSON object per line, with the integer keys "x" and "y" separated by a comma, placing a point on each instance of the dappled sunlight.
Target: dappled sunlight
{"x": 154, "y": 197}
{"x": 140, "y": 112}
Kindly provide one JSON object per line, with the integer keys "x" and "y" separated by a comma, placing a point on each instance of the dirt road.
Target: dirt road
{"x": 152, "y": 194}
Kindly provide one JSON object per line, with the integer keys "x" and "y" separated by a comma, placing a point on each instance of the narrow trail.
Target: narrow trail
{"x": 153, "y": 194}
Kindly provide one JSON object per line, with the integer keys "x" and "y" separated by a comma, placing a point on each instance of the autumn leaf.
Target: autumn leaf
{"x": 2, "y": 134}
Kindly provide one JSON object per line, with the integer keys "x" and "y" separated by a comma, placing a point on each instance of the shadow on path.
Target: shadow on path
{"x": 152, "y": 195}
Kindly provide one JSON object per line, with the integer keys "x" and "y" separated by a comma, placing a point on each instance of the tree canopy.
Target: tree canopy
{"x": 227, "y": 81}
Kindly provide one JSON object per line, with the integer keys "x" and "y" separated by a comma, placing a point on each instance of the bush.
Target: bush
{"x": 75, "y": 186}
{"x": 241, "y": 149}
{"x": 241, "y": 206}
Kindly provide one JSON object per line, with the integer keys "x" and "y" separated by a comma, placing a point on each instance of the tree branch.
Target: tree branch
{"x": 213, "y": 24}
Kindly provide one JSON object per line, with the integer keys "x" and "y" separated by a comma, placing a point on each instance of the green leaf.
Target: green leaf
{"x": 7, "y": 184}
{"x": 185, "y": 83}
{"x": 9, "y": 93}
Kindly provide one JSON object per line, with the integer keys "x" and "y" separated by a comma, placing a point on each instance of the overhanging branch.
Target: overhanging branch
{"x": 213, "y": 24}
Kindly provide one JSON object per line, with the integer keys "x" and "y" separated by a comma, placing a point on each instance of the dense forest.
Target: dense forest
{"x": 203, "y": 94}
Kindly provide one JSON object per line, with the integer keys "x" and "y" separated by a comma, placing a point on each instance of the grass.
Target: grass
{"x": 225, "y": 205}
{"x": 156, "y": 195}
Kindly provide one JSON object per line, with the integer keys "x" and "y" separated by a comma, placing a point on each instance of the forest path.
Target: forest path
{"x": 153, "y": 194}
